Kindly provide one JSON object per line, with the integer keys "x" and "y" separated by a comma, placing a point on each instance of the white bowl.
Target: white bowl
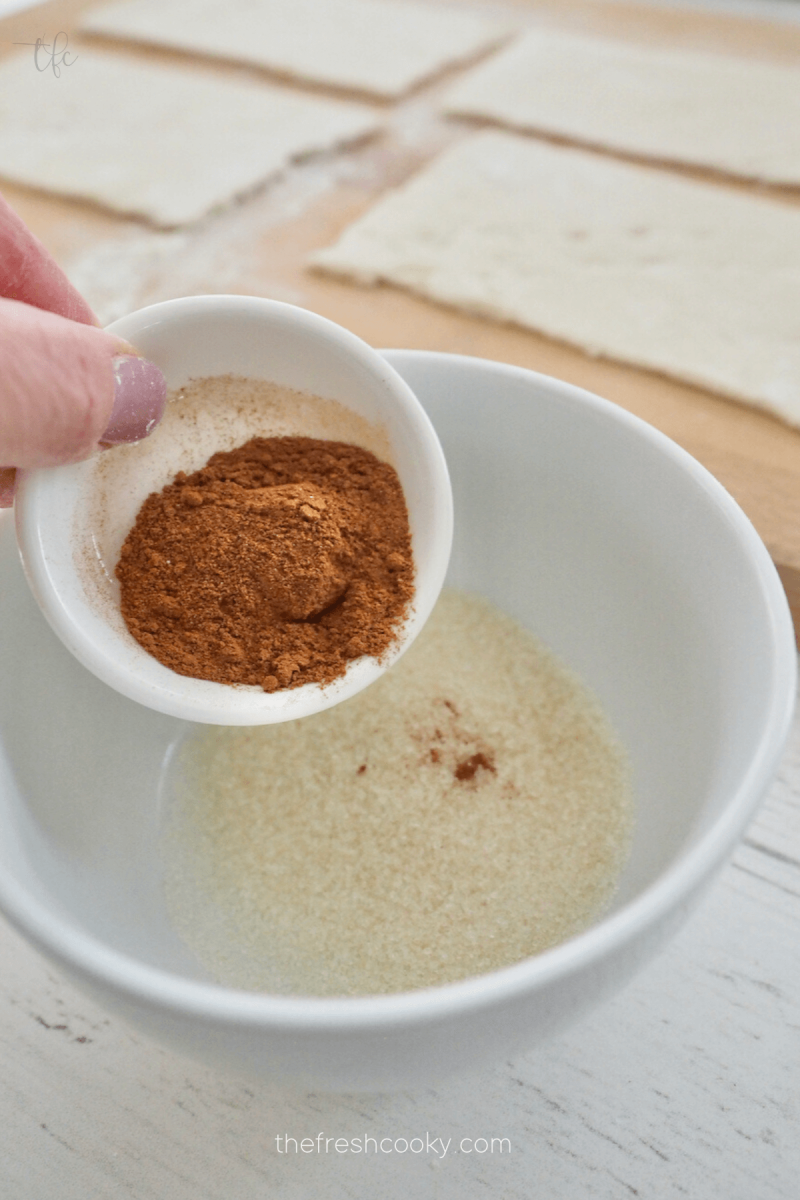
{"x": 72, "y": 521}
{"x": 601, "y": 536}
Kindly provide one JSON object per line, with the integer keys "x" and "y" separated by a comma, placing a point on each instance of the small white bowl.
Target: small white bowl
{"x": 72, "y": 521}
{"x": 602, "y": 537}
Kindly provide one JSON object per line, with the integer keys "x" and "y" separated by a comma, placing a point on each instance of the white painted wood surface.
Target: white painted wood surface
{"x": 687, "y": 1084}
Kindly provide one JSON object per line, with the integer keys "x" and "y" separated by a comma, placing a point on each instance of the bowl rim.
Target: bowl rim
{"x": 674, "y": 887}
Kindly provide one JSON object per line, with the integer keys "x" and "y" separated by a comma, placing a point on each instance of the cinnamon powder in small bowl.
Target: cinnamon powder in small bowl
{"x": 275, "y": 564}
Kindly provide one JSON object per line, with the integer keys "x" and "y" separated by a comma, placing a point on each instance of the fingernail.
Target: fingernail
{"x": 140, "y": 395}
{"x": 8, "y": 480}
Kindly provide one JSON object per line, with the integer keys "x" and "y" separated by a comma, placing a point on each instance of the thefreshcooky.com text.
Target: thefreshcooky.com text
{"x": 438, "y": 1146}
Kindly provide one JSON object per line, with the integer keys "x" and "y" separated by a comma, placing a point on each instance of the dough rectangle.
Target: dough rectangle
{"x": 735, "y": 115}
{"x": 687, "y": 278}
{"x": 156, "y": 141}
{"x": 378, "y": 46}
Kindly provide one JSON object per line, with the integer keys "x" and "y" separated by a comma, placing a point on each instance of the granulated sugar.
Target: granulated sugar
{"x": 468, "y": 810}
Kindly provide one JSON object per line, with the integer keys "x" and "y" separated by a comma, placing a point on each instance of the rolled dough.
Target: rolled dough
{"x": 732, "y": 114}
{"x": 376, "y": 46}
{"x": 157, "y": 141}
{"x": 630, "y": 262}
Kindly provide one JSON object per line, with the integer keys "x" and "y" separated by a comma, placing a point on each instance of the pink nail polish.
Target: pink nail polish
{"x": 140, "y": 395}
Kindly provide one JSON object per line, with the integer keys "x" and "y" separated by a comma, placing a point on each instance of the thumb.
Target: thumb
{"x": 65, "y": 387}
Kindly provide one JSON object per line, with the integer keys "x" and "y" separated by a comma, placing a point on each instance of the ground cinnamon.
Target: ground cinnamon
{"x": 276, "y": 564}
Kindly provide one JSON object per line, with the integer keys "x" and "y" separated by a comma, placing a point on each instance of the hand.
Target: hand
{"x": 66, "y": 386}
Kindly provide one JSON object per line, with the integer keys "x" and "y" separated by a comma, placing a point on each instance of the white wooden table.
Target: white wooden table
{"x": 687, "y": 1084}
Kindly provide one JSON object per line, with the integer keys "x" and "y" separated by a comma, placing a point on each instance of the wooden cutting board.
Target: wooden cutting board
{"x": 260, "y": 246}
